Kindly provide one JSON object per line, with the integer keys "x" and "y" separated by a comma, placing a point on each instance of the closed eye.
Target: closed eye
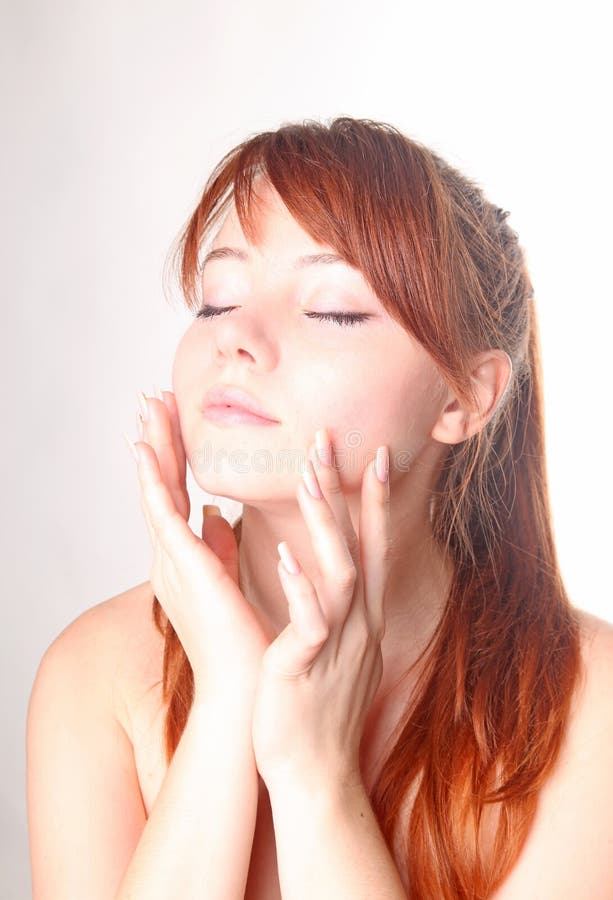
{"x": 207, "y": 312}
{"x": 339, "y": 318}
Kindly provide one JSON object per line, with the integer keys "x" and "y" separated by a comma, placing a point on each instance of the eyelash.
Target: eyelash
{"x": 343, "y": 319}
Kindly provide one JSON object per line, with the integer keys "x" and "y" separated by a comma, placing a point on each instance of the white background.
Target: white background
{"x": 113, "y": 115}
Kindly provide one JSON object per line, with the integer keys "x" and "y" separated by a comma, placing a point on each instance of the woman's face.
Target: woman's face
{"x": 368, "y": 383}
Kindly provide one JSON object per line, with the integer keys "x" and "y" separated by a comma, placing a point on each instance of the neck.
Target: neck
{"x": 417, "y": 587}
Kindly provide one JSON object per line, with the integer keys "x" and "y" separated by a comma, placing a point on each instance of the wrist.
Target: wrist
{"x": 230, "y": 704}
{"x": 316, "y": 788}
{"x": 225, "y": 686}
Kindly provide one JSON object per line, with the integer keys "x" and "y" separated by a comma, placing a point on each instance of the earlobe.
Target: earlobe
{"x": 491, "y": 379}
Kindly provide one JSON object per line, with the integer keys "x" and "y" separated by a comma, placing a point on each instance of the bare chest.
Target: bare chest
{"x": 145, "y": 725}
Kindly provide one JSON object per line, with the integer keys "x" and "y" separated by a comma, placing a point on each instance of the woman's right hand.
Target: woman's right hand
{"x": 195, "y": 580}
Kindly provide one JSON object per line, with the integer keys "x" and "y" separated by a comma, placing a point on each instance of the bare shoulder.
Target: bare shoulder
{"x": 80, "y": 755}
{"x": 595, "y": 631}
{"x": 568, "y": 849}
{"x": 596, "y": 685}
{"x": 118, "y": 645}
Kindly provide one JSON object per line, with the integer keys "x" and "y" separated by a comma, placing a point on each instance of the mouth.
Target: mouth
{"x": 234, "y": 415}
{"x": 232, "y": 405}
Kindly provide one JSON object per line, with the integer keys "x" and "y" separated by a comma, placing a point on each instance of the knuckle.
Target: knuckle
{"x": 388, "y": 551}
{"x": 363, "y": 637}
{"x": 317, "y": 637}
{"x": 167, "y": 527}
{"x": 334, "y": 488}
{"x": 305, "y": 595}
{"x": 345, "y": 578}
{"x": 378, "y": 629}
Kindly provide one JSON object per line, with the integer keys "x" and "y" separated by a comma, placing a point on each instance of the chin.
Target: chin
{"x": 253, "y": 489}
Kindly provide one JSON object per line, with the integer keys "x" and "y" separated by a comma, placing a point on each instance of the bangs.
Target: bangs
{"x": 390, "y": 208}
{"x": 361, "y": 190}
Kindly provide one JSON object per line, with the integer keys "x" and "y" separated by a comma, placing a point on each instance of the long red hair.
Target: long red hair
{"x": 486, "y": 722}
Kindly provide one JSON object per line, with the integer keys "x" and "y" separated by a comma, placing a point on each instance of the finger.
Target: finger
{"x": 175, "y": 427}
{"x": 295, "y": 650}
{"x": 218, "y": 534}
{"x": 135, "y": 455}
{"x": 159, "y": 434}
{"x": 375, "y": 536}
{"x": 335, "y": 562}
{"x": 143, "y": 463}
{"x": 325, "y": 462}
{"x": 169, "y": 526}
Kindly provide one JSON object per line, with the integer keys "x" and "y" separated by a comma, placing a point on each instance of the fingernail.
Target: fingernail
{"x": 382, "y": 464}
{"x": 310, "y": 480}
{"x": 324, "y": 447}
{"x": 210, "y": 509}
{"x": 288, "y": 559}
{"x": 140, "y": 426}
{"x": 133, "y": 449}
{"x": 142, "y": 402}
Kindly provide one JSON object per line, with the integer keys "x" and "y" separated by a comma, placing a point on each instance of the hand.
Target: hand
{"x": 196, "y": 581}
{"x": 319, "y": 677}
{"x": 158, "y": 423}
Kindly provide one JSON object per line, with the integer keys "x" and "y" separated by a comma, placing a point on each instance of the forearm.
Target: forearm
{"x": 197, "y": 841}
{"x": 330, "y": 846}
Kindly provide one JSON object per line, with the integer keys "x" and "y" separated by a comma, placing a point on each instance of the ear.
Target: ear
{"x": 491, "y": 376}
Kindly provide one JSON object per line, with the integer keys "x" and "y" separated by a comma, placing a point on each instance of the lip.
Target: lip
{"x": 225, "y": 402}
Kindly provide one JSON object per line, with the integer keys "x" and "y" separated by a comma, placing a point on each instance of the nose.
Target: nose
{"x": 242, "y": 335}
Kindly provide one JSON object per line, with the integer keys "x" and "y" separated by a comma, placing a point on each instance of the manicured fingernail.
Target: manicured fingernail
{"x": 140, "y": 426}
{"x": 209, "y": 509}
{"x": 142, "y": 402}
{"x": 133, "y": 449}
{"x": 382, "y": 464}
{"x": 311, "y": 482}
{"x": 324, "y": 447}
{"x": 288, "y": 559}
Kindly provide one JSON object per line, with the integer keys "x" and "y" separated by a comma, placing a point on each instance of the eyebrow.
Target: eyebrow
{"x": 310, "y": 259}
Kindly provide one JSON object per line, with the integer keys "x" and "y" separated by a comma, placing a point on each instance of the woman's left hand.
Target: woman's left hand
{"x": 319, "y": 676}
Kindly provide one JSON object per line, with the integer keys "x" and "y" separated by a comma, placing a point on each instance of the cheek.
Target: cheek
{"x": 390, "y": 405}
{"x": 415, "y": 409}
{"x": 181, "y": 362}
{"x": 353, "y": 402}
{"x": 188, "y": 371}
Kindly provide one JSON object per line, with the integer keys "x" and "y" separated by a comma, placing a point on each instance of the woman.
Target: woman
{"x": 375, "y": 684}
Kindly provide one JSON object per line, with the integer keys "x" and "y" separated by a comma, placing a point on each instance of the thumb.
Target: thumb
{"x": 217, "y": 534}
